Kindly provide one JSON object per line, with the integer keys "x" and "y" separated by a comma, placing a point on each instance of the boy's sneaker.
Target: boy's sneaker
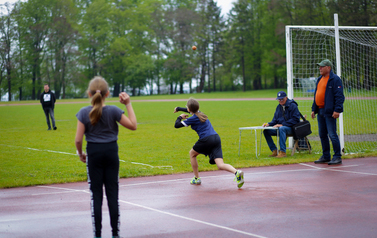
{"x": 196, "y": 181}
{"x": 239, "y": 178}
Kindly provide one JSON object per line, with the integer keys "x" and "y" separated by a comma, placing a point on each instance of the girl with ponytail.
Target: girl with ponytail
{"x": 209, "y": 143}
{"x": 99, "y": 124}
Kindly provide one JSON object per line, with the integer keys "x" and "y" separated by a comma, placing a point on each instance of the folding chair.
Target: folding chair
{"x": 297, "y": 146}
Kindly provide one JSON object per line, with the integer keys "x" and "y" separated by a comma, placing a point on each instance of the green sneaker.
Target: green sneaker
{"x": 239, "y": 178}
{"x": 196, "y": 181}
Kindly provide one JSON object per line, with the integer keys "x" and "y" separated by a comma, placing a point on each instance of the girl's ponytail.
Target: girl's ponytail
{"x": 98, "y": 88}
{"x": 96, "y": 112}
{"x": 202, "y": 117}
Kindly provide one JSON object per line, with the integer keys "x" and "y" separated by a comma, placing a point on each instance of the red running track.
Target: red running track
{"x": 299, "y": 200}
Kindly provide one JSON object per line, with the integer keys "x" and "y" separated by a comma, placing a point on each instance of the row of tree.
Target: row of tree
{"x": 137, "y": 45}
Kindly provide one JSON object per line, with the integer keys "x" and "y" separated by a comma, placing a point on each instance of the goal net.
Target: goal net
{"x": 355, "y": 62}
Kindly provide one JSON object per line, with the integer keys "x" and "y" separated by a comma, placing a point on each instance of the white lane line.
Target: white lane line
{"x": 40, "y": 194}
{"x": 352, "y": 172}
{"x": 194, "y": 220}
{"x": 167, "y": 166}
{"x": 66, "y": 190}
{"x": 214, "y": 176}
{"x": 151, "y": 166}
{"x": 28, "y": 148}
{"x": 66, "y": 153}
{"x": 249, "y": 174}
{"x": 154, "y": 182}
{"x": 343, "y": 166}
{"x": 166, "y": 213}
{"x": 337, "y": 169}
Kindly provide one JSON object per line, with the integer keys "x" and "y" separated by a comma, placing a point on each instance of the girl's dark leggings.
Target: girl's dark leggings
{"x": 103, "y": 169}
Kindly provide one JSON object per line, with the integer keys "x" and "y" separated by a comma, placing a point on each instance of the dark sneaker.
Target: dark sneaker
{"x": 49, "y": 129}
{"x": 322, "y": 160}
{"x": 55, "y": 128}
{"x": 335, "y": 161}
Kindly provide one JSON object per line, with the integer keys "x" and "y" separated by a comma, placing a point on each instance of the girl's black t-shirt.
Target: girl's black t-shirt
{"x": 106, "y": 130}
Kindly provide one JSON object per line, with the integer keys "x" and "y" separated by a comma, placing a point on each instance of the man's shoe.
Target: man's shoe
{"x": 335, "y": 161}
{"x": 55, "y": 128}
{"x": 49, "y": 129}
{"x": 322, "y": 160}
{"x": 281, "y": 154}
{"x": 274, "y": 153}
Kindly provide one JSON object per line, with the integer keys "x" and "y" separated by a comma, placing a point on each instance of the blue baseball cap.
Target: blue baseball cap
{"x": 281, "y": 95}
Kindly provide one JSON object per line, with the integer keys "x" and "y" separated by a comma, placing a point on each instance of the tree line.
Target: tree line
{"x": 144, "y": 47}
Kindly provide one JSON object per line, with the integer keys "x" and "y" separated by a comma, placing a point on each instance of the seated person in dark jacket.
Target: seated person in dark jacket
{"x": 286, "y": 116}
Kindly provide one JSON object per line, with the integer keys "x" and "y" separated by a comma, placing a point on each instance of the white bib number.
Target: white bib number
{"x": 47, "y": 97}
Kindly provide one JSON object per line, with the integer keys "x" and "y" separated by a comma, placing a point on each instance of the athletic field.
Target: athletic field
{"x": 45, "y": 194}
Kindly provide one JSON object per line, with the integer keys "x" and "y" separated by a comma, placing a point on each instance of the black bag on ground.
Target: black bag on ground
{"x": 301, "y": 129}
{"x": 303, "y": 145}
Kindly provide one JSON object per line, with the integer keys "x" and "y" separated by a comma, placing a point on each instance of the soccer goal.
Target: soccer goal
{"x": 353, "y": 51}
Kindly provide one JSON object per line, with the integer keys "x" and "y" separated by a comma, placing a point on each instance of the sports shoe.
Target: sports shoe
{"x": 196, "y": 181}
{"x": 239, "y": 178}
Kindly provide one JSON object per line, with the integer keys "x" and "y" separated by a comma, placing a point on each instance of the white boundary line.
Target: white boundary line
{"x": 66, "y": 153}
{"x": 52, "y": 151}
{"x": 343, "y": 166}
{"x": 162, "y": 212}
{"x": 194, "y": 220}
{"x": 337, "y": 169}
{"x": 166, "y": 166}
{"x": 214, "y": 176}
{"x": 225, "y": 176}
{"x": 66, "y": 190}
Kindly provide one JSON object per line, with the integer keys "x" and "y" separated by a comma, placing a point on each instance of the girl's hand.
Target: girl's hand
{"x": 184, "y": 116}
{"x": 175, "y": 110}
{"x": 83, "y": 157}
{"x": 124, "y": 98}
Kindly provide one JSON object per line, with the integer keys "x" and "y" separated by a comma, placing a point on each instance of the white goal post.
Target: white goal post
{"x": 353, "y": 52}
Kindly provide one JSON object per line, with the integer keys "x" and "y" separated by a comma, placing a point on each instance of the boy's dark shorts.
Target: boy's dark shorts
{"x": 209, "y": 146}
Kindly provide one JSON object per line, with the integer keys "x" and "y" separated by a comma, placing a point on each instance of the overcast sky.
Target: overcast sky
{"x": 225, "y": 5}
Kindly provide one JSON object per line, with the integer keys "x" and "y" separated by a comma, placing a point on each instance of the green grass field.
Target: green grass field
{"x": 31, "y": 155}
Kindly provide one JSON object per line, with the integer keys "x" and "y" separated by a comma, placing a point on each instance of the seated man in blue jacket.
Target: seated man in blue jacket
{"x": 286, "y": 116}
